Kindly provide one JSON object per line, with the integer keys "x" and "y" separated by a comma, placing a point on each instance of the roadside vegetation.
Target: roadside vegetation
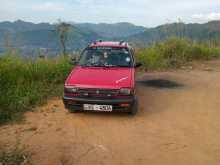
{"x": 176, "y": 52}
{"x": 24, "y": 84}
{"x": 15, "y": 157}
{"x": 28, "y": 83}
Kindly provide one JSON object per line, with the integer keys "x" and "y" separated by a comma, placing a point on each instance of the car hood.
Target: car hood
{"x": 95, "y": 77}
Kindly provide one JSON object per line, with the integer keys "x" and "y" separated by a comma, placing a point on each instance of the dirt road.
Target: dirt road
{"x": 178, "y": 124}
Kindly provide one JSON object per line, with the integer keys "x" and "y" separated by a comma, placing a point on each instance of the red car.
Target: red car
{"x": 103, "y": 79}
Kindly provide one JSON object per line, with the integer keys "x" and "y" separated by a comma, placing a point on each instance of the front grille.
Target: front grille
{"x": 99, "y": 93}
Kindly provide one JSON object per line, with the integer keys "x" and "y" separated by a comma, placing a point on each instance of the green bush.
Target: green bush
{"x": 24, "y": 84}
{"x": 151, "y": 58}
{"x": 175, "y": 52}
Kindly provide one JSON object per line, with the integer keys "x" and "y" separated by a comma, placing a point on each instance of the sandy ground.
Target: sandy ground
{"x": 178, "y": 124}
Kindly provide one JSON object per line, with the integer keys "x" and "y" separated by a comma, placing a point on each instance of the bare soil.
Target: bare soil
{"x": 178, "y": 124}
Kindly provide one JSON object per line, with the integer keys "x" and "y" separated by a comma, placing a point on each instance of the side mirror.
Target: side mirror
{"x": 138, "y": 64}
{"x": 73, "y": 61}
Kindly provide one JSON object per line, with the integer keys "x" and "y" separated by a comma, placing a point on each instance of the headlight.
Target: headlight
{"x": 70, "y": 89}
{"x": 125, "y": 91}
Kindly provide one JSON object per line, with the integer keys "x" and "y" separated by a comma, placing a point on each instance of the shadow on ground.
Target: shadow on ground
{"x": 160, "y": 83}
{"x": 113, "y": 114}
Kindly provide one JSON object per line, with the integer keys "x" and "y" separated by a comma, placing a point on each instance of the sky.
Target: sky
{"x": 149, "y": 13}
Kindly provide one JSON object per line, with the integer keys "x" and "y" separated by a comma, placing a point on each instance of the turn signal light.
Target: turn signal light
{"x": 124, "y": 105}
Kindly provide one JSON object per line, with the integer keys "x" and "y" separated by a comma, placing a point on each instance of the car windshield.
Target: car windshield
{"x": 106, "y": 57}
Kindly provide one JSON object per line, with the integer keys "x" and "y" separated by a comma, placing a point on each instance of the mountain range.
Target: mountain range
{"x": 30, "y": 37}
{"x": 199, "y": 32}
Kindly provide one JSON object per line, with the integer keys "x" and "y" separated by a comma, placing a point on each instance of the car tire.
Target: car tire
{"x": 72, "y": 111}
{"x": 134, "y": 108}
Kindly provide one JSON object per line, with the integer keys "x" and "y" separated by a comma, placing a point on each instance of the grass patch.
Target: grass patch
{"x": 24, "y": 84}
{"x": 176, "y": 52}
{"x": 15, "y": 157}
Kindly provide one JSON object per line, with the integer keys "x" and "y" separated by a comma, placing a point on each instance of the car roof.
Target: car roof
{"x": 120, "y": 44}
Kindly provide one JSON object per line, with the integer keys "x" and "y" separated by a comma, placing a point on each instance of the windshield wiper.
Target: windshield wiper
{"x": 107, "y": 66}
{"x": 92, "y": 65}
{"x": 122, "y": 66}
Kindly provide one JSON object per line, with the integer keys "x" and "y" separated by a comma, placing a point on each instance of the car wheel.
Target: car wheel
{"x": 72, "y": 111}
{"x": 134, "y": 108}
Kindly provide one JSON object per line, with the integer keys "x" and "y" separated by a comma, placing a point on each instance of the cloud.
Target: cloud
{"x": 206, "y": 17}
{"x": 49, "y": 7}
{"x": 141, "y": 12}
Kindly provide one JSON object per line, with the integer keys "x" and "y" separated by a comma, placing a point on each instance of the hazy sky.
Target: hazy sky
{"x": 141, "y": 12}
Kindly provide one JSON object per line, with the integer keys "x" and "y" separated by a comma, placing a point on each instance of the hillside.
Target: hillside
{"x": 116, "y": 30}
{"x": 178, "y": 119}
{"x": 29, "y": 37}
{"x": 207, "y": 31}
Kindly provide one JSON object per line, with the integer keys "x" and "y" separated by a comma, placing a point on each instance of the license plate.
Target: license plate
{"x": 104, "y": 108}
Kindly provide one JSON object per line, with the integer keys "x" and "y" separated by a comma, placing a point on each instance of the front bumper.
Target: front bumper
{"x": 75, "y": 103}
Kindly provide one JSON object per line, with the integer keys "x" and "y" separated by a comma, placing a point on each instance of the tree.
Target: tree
{"x": 63, "y": 29}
